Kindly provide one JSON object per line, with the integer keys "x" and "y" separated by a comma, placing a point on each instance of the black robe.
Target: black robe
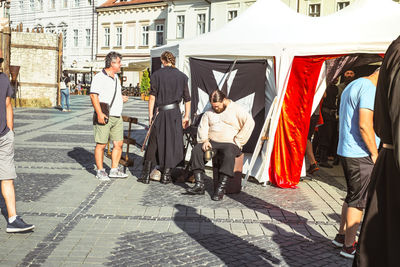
{"x": 169, "y": 86}
{"x": 379, "y": 242}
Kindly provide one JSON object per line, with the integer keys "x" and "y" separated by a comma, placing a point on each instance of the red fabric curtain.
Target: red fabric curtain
{"x": 291, "y": 133}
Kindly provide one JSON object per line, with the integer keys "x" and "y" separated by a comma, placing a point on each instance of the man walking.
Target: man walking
{"x": 225, "y": 129}
{"x": 7, "y": 168}
{"x": 106, "y": 88}
{"x": 358, "y": 151}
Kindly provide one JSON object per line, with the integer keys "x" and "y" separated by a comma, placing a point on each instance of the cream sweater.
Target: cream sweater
{"x": 233, "y": 125}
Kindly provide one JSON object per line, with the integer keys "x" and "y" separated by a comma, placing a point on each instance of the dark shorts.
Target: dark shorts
{"x": 313, "y": 123}
{"x": 357, "y": 172}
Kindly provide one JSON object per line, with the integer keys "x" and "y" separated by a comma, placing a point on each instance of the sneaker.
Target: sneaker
{"x": 18, "y": 226}
{"x": 349, "y": 252}
{"x": 313, "y": 168}
{"x": 117, "y": 173}
{"x": 102, "y": 175}
{"x": 338, "y": 241}
{"x": 64, "y": 110}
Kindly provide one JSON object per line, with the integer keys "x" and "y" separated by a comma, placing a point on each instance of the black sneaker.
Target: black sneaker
{"x": 19, "y": 226}
{"x": 338, "y": 241}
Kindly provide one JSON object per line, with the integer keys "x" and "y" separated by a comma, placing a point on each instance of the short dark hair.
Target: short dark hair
{"x": 217, "y": 96}
{"x": 111, "y": 57}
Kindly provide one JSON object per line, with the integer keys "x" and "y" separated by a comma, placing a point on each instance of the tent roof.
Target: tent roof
{"x": 270, "y": 28}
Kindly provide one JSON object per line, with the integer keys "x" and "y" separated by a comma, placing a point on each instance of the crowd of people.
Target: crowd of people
{"x": 362, "y": 114}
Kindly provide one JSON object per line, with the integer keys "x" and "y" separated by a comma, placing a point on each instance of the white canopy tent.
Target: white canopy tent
{"x": 271, "y": 30}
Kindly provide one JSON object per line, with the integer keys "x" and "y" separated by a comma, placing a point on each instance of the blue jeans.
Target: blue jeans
{"x": 64, "y": 97}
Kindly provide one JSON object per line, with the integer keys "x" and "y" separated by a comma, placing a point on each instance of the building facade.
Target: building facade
{"x": 75, "y": 19}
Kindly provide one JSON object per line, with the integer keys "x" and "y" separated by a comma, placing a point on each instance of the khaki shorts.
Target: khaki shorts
{"x": 113, "y": 130}
{"x": 7, "y": 167}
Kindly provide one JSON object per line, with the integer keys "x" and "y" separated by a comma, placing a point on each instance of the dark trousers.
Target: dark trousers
{"x": 226, "y": 152}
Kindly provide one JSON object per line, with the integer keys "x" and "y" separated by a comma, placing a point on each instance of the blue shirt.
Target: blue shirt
{"x": 357, "y": 95}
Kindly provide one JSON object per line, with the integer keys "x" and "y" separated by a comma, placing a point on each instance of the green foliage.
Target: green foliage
{"x": 145, "y": 83}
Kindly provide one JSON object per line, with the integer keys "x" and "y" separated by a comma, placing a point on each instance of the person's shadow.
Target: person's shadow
{"x": 85, "y": 159}
{"x": 229, "y": 248}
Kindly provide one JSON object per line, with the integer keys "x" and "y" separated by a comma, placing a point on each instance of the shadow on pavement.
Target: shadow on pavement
{"x": 85, "y": 158}
{"x": 231, "y": 249}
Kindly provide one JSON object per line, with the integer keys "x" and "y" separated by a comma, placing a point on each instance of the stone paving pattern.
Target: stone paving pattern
{"x": 80, "y": 220}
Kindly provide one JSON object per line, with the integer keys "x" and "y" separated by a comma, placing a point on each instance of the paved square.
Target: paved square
{"x": 80, "y": 220}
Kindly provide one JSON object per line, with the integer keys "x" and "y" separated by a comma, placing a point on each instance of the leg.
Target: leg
{"x": 7, "y": 189}
{"x": 228, "y": 153}
{"x": 67, "y": 100}
{"x": 197, "y": 159}
{"x": 116, "y": 153}
{"x": 353, "y": 219}
{"x": 99, "y": 155}
{"x": 310, "y": 155}
{"x": 62, "y": 99}
{"x": 342, "y": 226}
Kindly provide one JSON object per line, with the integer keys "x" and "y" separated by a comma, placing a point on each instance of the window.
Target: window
{"x": 53, "y": 4}
{"x": 76, "y": 38}
{"x": 64, "y": 32}
{"x": 88, "y": 37}
{"x": 314, "y": 10}
{"x": 106, "y": 37}
{"x": 21, "y": 5}
{"x": 180, "y": 26}
{"x": 32, "y": 5}
{"x": 159, "y": 34}
{"x": 201, "y": 24}
{"x": 119, "y": 36}
{"x": 40, "y": 5}
{"x": 77, "y": 3}
{"x": 341, "y": 5}
{"x": 145, "y": 35}
{"x": 65, "y": 3}
{"x": 232, "y": 14}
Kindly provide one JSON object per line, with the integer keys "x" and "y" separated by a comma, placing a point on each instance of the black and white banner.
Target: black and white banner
{"x": 245, "y": 85}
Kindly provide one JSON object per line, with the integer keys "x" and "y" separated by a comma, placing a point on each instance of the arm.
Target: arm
{"x": 202, "y": 132}
{"x": 9, "y": 114}
{"x": 185, "y": 120}
{"x": 247, "y": 125}
{"x": 152, "y": 100}
{"x": 366, "y": 125}
{"x": 96, "y": 105}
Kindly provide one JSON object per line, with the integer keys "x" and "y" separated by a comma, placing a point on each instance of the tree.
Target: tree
{"x": 145, "y": 83}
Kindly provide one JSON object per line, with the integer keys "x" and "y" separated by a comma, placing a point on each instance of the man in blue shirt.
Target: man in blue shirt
{"x": 358, "y": 151}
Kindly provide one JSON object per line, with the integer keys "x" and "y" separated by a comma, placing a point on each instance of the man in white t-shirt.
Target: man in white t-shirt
{"x": 106, "y": 88}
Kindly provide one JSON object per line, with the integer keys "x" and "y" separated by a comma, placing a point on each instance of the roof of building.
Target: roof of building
{"x": 115, "y": 3}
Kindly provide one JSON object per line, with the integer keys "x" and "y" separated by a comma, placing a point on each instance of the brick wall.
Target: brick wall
{"x": 37, "y": 56}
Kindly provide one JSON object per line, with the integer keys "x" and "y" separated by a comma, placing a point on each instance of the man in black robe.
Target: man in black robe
{"x": 380, "y": 232}
{"x": 165, "y": 148}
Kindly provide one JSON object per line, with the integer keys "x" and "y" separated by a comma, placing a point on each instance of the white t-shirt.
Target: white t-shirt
{"x": 104, "y": 86}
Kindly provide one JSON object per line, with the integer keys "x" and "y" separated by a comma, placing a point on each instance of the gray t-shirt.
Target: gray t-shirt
{"x": 5, "y": 91}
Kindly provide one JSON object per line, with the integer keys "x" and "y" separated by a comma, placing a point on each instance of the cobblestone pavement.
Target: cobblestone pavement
{"x": 80, "y": 220}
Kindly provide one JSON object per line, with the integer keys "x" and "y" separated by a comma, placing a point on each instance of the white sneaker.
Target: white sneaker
{"x": 102, "y": 175}
{"x": 117, "y": 173}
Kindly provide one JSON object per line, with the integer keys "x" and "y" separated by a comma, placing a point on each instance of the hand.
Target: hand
{"x": 125, "y": 98}
{"x": 206, "y": 145}
{"x": 185, "y": 122}
{"x": 374, "y": 158}
{"x": 101, "y": 118}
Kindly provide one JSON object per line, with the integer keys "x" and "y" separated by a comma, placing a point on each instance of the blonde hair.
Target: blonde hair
{"x": 169, "y": 58}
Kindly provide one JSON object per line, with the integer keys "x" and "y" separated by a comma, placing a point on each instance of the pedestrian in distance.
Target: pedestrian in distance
{"x": 105, "y": 91}
{"x": 65, "y": 84}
